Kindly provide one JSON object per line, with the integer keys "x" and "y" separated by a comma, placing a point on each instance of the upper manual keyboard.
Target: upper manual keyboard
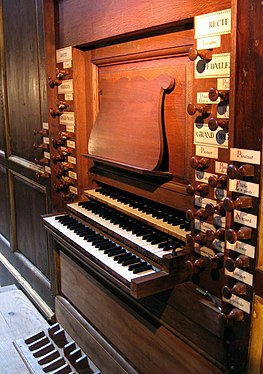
{"x": 167, "y": 219}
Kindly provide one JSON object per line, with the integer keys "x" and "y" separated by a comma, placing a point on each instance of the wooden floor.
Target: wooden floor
{"x": 18, "y": 319}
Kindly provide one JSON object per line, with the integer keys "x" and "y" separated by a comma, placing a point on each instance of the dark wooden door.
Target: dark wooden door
{"x": 24, "y": 196}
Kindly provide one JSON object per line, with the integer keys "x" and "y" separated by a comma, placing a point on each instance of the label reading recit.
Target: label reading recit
{"x": 211, "y": 24}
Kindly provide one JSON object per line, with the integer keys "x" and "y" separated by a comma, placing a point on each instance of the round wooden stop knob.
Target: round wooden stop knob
{"x": 242, "y": 202}
{"x": 218, "y": 234}
{"x": 205, "y": 54}
{"x": 201, "y": 238}
{"x": 215, "y": 181}
{"x": 245, "y": 170}
{"x": 238, "y": 289}
{"x": 215, "y": 209}
{"x": 202, "y": 163}
{"x": 214, "y": 94}
{"x": 241, "y": 261}
{"x": 200, "y": 213}
{"x": 235, "y": 314}
{"x": 201, "y": 188}
{"x": 242, "y": 234}
{"x": 190, "y": 215}
{"x": 192, "y": 109}
{"x": 213, "y": 124}
{"x": 202, "y": 262}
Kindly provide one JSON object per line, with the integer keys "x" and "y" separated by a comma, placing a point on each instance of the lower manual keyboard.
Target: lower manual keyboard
{"x": 120, "y": 261}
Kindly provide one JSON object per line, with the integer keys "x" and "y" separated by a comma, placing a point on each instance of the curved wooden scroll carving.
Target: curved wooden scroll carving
{"x": 128, "y": 129}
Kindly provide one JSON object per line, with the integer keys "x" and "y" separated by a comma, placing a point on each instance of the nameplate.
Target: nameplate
{"x": 47, "y": 155}
{"x": 202, "y": 201}
{"x": 218, "y": 245}
{"x": 71, "y": 144}
{"x": 221, "y": 167}
{"x": 246, "y": 188}
{"x": 202, "y": 176}
{"x": 205, "y": 251}
{"x": 241, "y": 275}
{"x": 208, "y": 43}
{"x": 73, "y": 190}
{"x": 239, "y": 303}
{"x": 223, "y": 112}
{"x": 66, "y": 87}
{"x": 67, "y": 118}
{"x": 211, "y": 24}
{"x": 72, "y": 174}
{"x": 63, "y": 54}
{"x": 205, "y": 137}
{"x": 242, "y": 248}
{"x": 68, "y": 96}
{"x": 223, "y": 84}
{"x": 210, "y": 152}
{"x": 218, "y": 67}
{"x": 45, "y": 125}
{"x": 203, "y": 226}
{"x": 72, "y": 160}
{"x": 245, "y": 219}
{"x": 47, "y": 169}
{"x": 70, "y": 128}
{"x": 45, "y": 140}
{"x": 245, "y": 155}
{"x": 219, "y": 220}
{"x": 203, "y": 98}
{"x": 220, "y": 194}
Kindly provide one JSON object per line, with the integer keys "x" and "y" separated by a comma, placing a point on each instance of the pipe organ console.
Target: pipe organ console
{"x": 158, "y": 200}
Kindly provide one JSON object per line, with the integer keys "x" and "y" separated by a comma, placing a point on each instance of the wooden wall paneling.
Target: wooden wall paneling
{"x": 22, "y": 74}
{"x": 30, "y": 202}
{"x": 88, "y": 22}
{"x": 4, "y": 204}
{"x": 2, "y": 117}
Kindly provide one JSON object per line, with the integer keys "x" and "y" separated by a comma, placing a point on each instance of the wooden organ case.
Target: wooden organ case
{"x": 156, "y": 247}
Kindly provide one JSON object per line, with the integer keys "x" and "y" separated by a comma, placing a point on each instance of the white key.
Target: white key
{"x": 99, "y": 254}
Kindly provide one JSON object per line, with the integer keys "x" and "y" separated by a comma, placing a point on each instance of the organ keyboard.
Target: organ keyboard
{"x": 142, "y": 256}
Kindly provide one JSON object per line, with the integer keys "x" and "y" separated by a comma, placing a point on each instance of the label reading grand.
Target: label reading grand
{"x": 204, "y": 136}
{"x": 218, "y": 67}
{"x": 211, "y": 24}
{"x": 245, "y": 155}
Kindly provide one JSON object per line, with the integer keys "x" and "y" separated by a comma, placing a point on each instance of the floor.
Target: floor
{"x": 18, "y": 319}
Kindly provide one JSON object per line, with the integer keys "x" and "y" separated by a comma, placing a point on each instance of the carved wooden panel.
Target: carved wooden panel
{"x": 4, "y": 204}
{"x": 130, "y": 116}
{"x": 31, "y": 239}
{"x": 89, "y": 21}
{"x": 22, "y": 59}
{"x": 123, "y": 62}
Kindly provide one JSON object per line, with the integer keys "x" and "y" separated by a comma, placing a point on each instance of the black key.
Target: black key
{"x": 135, "y": 266}
{"x": 116, "y": 252}
{"x": 113, "y": 248}
{"x": 122, "y": 256}
{"x": 131, "y": 261}
{"x": 142, "y": 268}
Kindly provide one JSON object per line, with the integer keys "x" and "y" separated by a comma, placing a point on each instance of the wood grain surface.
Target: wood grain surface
{"x": 18, "y": 319}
